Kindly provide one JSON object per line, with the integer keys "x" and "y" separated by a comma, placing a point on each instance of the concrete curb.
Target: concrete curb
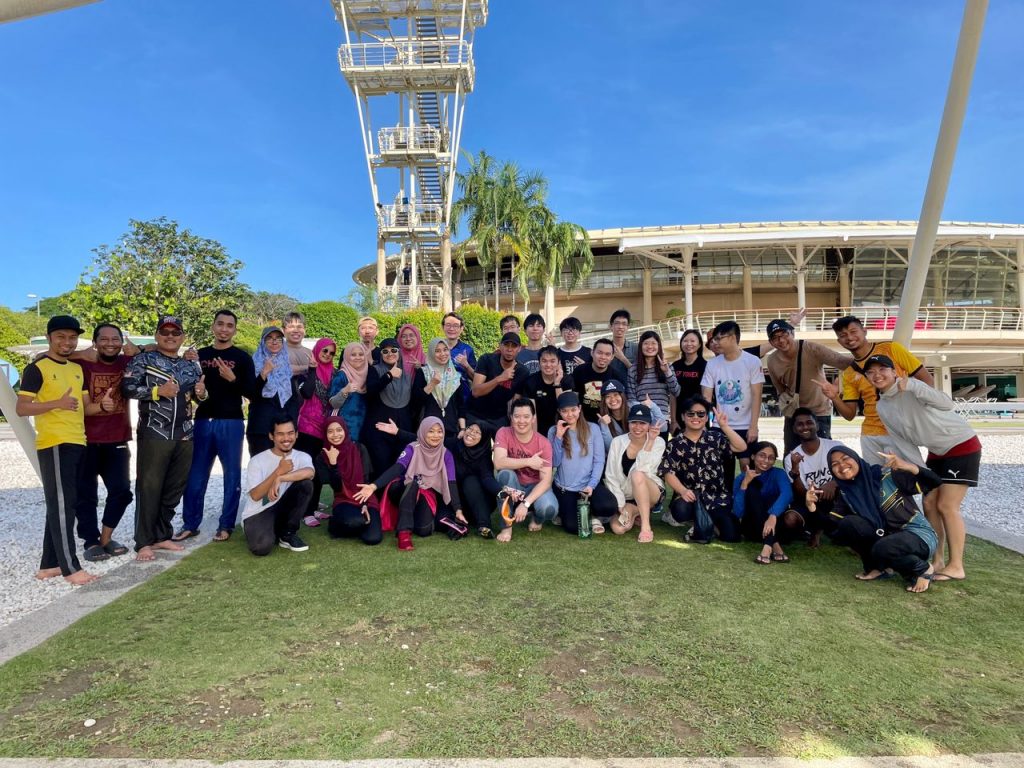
{"x": 37, "y": 627}
{"x": 1003, "y": 760}
{"x": 1001, "y": 538}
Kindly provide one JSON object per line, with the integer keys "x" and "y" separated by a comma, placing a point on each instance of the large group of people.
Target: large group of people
{"x": 416, "y": 438}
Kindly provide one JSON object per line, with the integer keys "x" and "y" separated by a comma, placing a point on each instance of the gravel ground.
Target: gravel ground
{"x": 21, "y": 532}
{"x": 993, "y": 504}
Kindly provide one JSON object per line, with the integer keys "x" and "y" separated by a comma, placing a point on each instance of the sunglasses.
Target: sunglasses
{"x": 175, "y": 333}
{"x": 389, "y": 351}
{"x": 696, "y": 414}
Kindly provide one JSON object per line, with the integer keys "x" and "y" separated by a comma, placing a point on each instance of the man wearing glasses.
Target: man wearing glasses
{"x": 162, "y": 382}
{"x": 462, "y": 354}
{"x": 219, "y": 428}
{"x": 572, "y": 354}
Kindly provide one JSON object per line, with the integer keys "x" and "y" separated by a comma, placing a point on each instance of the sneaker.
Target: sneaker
{"x": 293, "y": 542}
{"x": 667, "y": 519}
{"x": 557, "y": 521}
{"x": 320, "y": 514}
{"x": 596, "y": 526}
{"x": 311, "y": 521}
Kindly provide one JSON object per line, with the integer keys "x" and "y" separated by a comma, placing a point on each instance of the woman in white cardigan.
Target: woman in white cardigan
{"x": 631, "y": 473}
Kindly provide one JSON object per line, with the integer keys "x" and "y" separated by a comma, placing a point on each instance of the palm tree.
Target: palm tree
{"x": 498, "y": 205}
{"x": 555, "y": 247}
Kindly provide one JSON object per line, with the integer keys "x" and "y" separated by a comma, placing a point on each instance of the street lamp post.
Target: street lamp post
{"x": 34, "y": 296}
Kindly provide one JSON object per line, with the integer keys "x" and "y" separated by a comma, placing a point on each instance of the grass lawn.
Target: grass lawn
{"x": 550, "y": 646}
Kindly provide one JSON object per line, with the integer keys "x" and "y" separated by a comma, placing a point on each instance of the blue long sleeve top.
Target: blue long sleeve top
{"x": 578, "y": 472}
{"x": 776, "y": 492}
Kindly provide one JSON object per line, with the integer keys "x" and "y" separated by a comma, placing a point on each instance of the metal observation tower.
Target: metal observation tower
{"x": 412, "y": 60}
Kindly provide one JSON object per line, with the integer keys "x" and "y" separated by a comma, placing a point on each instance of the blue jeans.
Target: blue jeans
{"x": 543, "y": 509}
{"x": 214, "y": 439}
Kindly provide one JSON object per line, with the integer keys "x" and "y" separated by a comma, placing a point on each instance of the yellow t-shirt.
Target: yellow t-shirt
{"x": 857, "y": 387}
{"x": 46, "y": 380}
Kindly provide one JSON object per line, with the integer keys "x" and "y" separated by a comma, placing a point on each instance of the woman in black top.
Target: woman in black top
{"x": 688, "y": 370}
{"x": 436, "y": 392}
{"x": 389, "y": 420}
{"x": 474, "y": 468}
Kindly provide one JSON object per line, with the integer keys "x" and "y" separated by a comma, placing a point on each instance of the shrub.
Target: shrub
{"x": 675, "y": 312}
{"x": 330, "y": 319}
{"x": 248, "y": 336}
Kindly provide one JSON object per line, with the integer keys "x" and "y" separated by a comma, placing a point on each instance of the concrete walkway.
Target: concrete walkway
{"x": 1007, "y": 760}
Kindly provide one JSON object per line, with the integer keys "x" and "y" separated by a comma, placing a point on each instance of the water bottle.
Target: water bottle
{"x": 583, "y": 517}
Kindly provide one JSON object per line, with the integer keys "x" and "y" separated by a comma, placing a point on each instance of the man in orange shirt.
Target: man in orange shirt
{"x": 874, "y": 438}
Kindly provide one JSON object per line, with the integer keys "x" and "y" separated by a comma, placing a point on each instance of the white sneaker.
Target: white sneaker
{"x": 556, "y": 521}
{"x": 666, "y": 517}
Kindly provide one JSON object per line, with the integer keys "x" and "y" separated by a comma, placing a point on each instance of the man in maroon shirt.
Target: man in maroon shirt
{"x": 107, "y": 432}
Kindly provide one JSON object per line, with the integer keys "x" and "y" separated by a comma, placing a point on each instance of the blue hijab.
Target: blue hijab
{"x": 864, "y": 493}
{"x": 279, "y": 382}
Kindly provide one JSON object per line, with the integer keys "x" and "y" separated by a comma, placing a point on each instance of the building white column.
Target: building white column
{"x": 382, "y": 268}
{"x": 1020, "y": 276}
{"x": 944, "y": 379}
{"x": 688, "y": 284}
{"x": 844, "y": 286}
{"x": 22, "y": 427}
{"x": 414, "y": 291}
{"x": 801, "y": 286}
{"x": 446, "y": 273}
{"x": 942, "y": 166}
{"x": 648, "y": 313}
{"x": 748, "y": 288}
{"x": 549, "y": 306}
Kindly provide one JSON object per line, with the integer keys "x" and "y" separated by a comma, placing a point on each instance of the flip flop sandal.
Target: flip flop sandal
{"x": 184, "y": 534}
{"x": 763, "y": 560}
{"x": 222, "y": 535}
{"x": 645, "y": 537}
{"x": 776, "y": 558}
{"x": 115, "y": 548}
{"x": 96, "y": 553}
{"x": 485, "y": 533}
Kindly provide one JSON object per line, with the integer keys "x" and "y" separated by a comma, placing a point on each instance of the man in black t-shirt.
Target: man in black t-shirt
{"x": 588, "y": 380}
{"x": 545, "y": 386}
{"x": 497, "y": 377}
{"x": 219, "y": 428}
{"x": 572, "y": 354}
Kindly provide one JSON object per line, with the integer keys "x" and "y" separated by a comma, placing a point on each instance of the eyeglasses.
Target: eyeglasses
{"x": 389, "y": 351}
{"x": 275, "y": 340}
{"x": 175, "y": 333}
{"x": 697, "y": 414}
{"x": 453, "y": 325}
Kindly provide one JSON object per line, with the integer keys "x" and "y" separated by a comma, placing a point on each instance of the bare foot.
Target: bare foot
{"x": 169, "y": 545}
{"x": 145, "y": 554}
{"x": 922, "y": 582}
{"x": 505, "y": 536}
{"x": 815, "y": 541}
{"x": 868, "y": 576}
{"x": 47, "y": 573}
{"x": 534, "y": 526}
{"x": 80, "y": 578}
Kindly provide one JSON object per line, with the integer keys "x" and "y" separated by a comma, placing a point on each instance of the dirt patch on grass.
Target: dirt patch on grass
{"x": 570, "y": 664}
{"x": 69, "y": 685}
{"x": 210, "y": 710}
{"x": 645, "y": 671}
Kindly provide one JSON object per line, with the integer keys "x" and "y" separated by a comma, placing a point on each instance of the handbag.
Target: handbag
{"x": 790, "y": 401}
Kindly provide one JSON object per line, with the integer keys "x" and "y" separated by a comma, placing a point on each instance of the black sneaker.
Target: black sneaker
{"x": 293, "y": 542}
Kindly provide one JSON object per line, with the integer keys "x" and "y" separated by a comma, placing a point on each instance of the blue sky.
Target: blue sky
{"x": 232, "y": 118}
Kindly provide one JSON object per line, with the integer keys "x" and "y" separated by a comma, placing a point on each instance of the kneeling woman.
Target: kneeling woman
{"x": 422, "y": 484}
{"x": 880, "y": 520}
{"x": 339, "y": 464}
{"x": 759, "y": 498}
{"x": 631, "y": 473}
{"x": 474, "y": 470}
{"x": 577, "y": 455}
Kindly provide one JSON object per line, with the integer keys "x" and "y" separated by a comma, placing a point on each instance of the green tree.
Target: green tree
{"x": 157, "y": 268}
{"x": 264, "y": 308}
{"x": 498, "y": 204}
{"x": 555, "y": 248}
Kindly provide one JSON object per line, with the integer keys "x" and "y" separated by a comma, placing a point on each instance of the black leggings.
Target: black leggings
{"x": 603, "y": 506}
{"x": 479, "y": 498}
{"x": 414, "y": 513}
{"x": 347, "y": 521}
{"x": 755, "y": 515}
{"x": 905, "y": 552}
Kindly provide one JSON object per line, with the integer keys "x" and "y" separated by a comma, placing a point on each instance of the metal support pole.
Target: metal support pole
{"x": 382, "y": 268}
{"x": 446, "y": 273}
{"x": 942, "y": 166}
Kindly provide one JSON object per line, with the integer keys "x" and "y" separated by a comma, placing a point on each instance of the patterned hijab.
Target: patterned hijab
{"x": 279, "y": 382}
{"x": 451, "y": 380}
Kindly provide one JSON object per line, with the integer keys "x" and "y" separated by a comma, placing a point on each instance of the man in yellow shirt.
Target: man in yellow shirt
{"x": 52, "y": 390}
{"x": 874, "y": 438}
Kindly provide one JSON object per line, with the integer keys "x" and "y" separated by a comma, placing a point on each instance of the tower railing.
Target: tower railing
{"x": 443, "y": 52}
{"x": 422, "y": 138}
{"x": 409, "y": 215}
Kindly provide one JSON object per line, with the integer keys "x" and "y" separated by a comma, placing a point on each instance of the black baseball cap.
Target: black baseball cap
{"x": 63, "y": 323}
{"x": 778, "y": 325}
{"x": 640, "y": 412}
{"x": 879, "y": 360}
{"x": 512, "y": 338}
{"x": 568, "y": 400}
{"x": 613, "y": 385}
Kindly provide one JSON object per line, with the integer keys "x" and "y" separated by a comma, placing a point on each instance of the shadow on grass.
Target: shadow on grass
{"x": 547, "y": 646}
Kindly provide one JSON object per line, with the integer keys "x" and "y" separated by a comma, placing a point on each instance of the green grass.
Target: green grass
{"x": 470, "y": 649}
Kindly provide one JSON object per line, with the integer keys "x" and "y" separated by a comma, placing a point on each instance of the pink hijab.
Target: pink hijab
{"x": 313, "y": 410}
{"x": 428, "y": 463}
{"x": 356, "y": 376}
{"x": 411, "y": 358}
